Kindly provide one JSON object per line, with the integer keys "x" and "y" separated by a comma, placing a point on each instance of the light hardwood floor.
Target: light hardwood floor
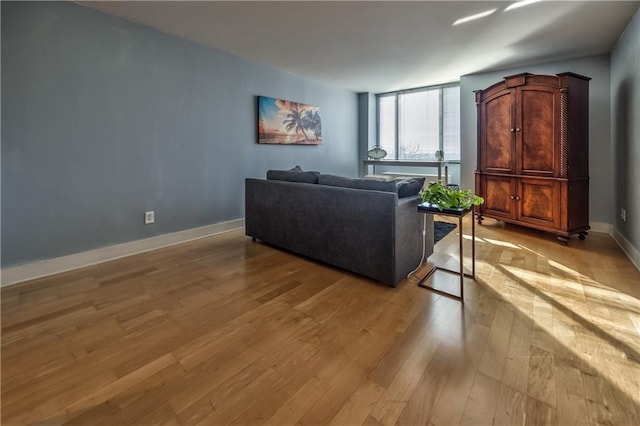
{"x": 226, "y": 331}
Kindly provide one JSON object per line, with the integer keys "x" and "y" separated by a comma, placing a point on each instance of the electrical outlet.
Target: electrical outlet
{"x": 149, "y": 217}
{"x": 623, "y": 214}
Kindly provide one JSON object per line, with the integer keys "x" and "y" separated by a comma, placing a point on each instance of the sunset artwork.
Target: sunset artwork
{"x": 286, "y": 122}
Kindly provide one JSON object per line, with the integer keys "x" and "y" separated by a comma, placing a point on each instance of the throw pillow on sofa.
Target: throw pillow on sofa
{"x": 409, "y": 187}
{"x": 296, "y": 174}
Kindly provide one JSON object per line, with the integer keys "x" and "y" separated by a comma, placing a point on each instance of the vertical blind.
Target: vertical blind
{"x": 414, "y": 124}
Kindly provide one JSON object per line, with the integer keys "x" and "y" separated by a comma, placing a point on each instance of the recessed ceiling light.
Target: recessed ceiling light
{"x": 473, "y": 17}
{"x": 521, "y": 4}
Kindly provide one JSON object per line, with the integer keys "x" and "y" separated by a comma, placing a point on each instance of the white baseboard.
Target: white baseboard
{"x": 29, "y": 271}
{"x": 627, "y": 248}
{"x": 623, "y": 243}
{"x": 602, "y": 227}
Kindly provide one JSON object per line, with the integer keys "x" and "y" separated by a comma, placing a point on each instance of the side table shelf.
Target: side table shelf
{"x": 427, "y": 208}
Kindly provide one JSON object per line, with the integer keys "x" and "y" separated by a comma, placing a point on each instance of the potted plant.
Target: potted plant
{"x": 444, "y": 197}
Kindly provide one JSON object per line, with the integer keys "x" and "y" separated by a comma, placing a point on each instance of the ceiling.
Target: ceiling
{"x": 383, "y": 46}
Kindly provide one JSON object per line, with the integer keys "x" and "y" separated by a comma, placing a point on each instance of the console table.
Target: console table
{"x": 427, "y": 208}
{"x": 410, "y": 163}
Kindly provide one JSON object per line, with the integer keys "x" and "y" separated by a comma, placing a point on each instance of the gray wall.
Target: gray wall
{"x": 600, "y": 162}
{"x": 104, "y": 119}
{"x": 625, "y": 131}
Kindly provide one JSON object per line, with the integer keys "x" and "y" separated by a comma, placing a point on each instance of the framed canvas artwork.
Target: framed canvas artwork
{"x": 286, "y": 122}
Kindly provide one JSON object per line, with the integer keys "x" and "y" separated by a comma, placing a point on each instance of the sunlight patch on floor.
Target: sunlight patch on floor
{"x": 563, "y": 268}
{"x": 529, "y": 250}
{"x": 500, "y": 243}
{"x": 600, "y": 333}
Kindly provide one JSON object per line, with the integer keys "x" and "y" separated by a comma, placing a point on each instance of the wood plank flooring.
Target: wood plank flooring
{"x": 226, "y": 331}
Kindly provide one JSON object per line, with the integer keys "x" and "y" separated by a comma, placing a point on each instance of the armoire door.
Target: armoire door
{"x": 538, "y": 202}
{"x": 497, "y": 139}
{"x": 499, "y": 196}
{"x": 536, "y": 127}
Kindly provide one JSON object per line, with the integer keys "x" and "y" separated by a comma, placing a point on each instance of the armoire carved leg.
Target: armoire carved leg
{"x": 563, "y": 240}
{"x": 479, "y": 218}
{"x": 582, "y": 235}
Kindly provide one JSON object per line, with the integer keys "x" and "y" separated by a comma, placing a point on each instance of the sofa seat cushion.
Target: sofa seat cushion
{"x": 367, "y": 184}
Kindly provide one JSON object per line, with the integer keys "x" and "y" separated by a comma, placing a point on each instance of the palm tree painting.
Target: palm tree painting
{"x": 287, "y": 122}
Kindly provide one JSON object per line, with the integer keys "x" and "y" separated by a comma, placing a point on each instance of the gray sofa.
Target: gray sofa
{"x": 370, "y": 232}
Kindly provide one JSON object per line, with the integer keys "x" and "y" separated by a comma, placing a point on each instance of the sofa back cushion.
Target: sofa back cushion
{"x": 294, "y": 175}
{"x": 404, "y": 188}
{"x": 368, "y": 184}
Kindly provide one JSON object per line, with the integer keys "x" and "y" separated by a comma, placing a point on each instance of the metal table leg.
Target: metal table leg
{"x": 460, "y": 272}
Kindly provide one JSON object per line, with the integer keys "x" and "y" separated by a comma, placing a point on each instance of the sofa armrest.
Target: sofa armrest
{"x": 408, "y": 236}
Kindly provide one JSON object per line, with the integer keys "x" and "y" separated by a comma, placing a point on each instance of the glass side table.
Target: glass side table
{"x": 427, "y": 208}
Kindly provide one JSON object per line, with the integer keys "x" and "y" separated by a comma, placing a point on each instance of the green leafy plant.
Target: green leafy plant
{"x": 444, "y": 197}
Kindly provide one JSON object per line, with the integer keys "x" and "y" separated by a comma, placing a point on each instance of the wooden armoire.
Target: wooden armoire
{"x": 533, "y": 159}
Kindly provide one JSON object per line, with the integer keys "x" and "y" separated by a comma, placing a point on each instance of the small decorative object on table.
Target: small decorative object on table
{"x": 376, "y": 153}
{"x": 439, "y": 155}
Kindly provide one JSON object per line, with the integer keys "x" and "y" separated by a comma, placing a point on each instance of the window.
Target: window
{"x": 414, "y": 124}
